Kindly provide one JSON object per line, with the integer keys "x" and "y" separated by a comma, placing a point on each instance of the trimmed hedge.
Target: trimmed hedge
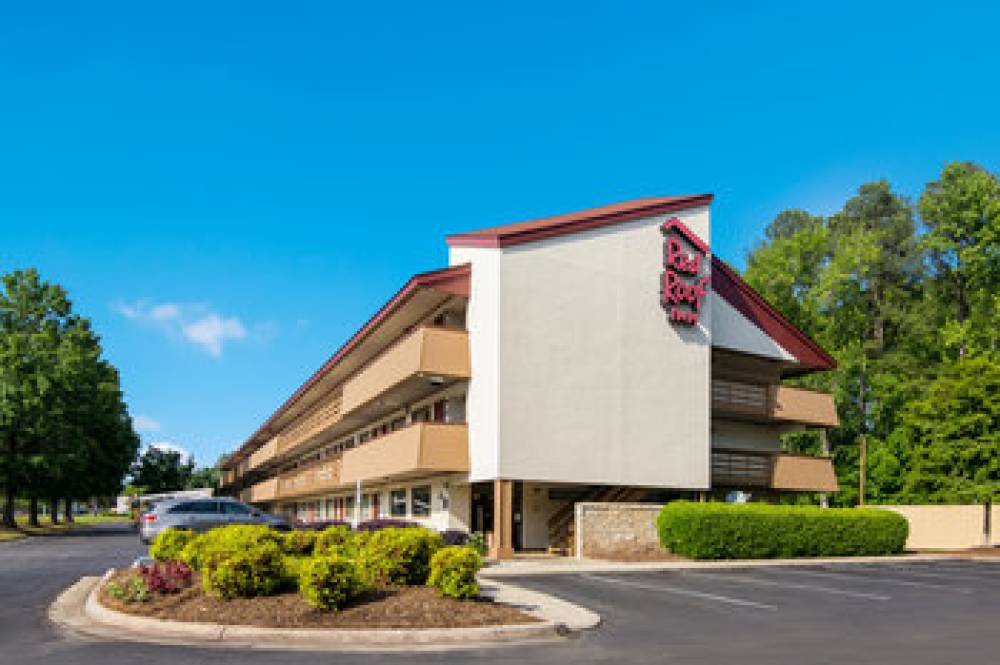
{"x": 761, "y": 531}
{"x": 453, "y": 572}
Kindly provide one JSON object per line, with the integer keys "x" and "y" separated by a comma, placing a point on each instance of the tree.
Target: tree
{"x": 64, "y": 427}
{"x": 953, "y": 434}
{"x": 162, "y": 471}
{"x": 961, "y": 210}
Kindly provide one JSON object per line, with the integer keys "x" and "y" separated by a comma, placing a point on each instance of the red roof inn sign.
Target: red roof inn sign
{"x": 682, "y": 286}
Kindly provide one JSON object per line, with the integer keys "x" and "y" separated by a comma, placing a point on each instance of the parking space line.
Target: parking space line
{"x": 882, "y": 580}
{"x": 683, "y": 592}
{"x": 795, "y": 585}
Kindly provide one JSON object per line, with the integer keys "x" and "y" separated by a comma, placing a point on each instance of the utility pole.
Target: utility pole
{"x": 824, "y": 498}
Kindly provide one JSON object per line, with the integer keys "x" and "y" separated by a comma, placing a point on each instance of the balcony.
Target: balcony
{"x": 773, "y": 403}
{"x": 418, "y": 449}
{"x": 410, "y": 369}
{"x": 266, "y": 490}
{"x": 313, "y": 479}
{"x": 803, "y": 406}
{"x": 264, "y": 454}
{"x": 427, "y": 351}
{"x": 789, "y": 473}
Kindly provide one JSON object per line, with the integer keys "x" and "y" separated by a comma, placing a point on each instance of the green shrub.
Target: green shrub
{"x": 477, "y": 541}
{"x": 329, "y": 582}
{"x": 398, "y": 555}
{"x": 168, "y": 545}
{"x": 761, "y": 531}
{"x": 336, "y": 539}
{"x": 258, "y": 570}
{"x": 453, "y": 572}
{"x": 191, "y": 554}
{"x": 292, "y": 570}
{"x": 218, "y": 544}
{"x": 299, "y": 543}
{"x": 130, "y": 589}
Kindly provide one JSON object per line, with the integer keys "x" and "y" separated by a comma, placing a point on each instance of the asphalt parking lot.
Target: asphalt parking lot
{"x": 912, "y": 613}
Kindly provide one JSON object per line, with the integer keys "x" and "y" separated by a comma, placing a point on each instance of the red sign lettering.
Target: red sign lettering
{"x": 682, "y": 296}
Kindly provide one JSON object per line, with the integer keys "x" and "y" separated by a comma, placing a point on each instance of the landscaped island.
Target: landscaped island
{"x": 336, "y": 578}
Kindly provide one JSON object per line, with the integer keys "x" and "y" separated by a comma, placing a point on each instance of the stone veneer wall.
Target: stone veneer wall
{"x": 617, "y": 530}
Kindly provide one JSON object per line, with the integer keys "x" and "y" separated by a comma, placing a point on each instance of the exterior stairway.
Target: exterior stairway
{"x": 562, "y": 524}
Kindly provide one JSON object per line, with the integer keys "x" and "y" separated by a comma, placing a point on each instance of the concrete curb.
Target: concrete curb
{"x": 79, "y": 611}
{"x": 576, "y": 566}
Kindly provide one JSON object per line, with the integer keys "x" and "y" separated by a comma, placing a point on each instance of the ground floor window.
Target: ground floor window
{"x": 421, "y": 500}
{"x": 398, "y": 503}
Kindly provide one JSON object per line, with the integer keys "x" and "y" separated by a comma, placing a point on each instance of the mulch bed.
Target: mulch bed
{"x": 396, "y": 607}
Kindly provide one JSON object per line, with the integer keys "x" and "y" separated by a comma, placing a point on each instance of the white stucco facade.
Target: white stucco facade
{"x": 588, "y": 380}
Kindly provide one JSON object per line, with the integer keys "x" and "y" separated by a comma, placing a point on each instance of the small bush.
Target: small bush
{"x": 168, "y": 545}
{"x": 338, "y": 538}
{"x": 760, "y": 531}
{"x": 166, "y": 577}
{"x": 292, "y": 570}
{"x": 131, "y": 589}
{"x": 330, "y": 582}
{"x": 320, "y": 525}
{"x": 218, "y": 544}
{"x": 299, "y": 543}
{"x": 399, "y": 556}
{"x": 258, "y": 570}
{"x": 453, "y": 572}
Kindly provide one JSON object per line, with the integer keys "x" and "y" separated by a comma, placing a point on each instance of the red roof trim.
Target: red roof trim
{"x": 728, "y": 284}
{"x": 584, "y": 220}
{"x": 453, "y": 280}
{"x": 681, "y": 227}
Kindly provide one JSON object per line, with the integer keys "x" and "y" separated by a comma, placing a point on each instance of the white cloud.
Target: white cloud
{"x": 168, "y": 446}
{"x": 194, "y": 323}
{"x": 145, "y": 423}
{"x": 211, "y": 331}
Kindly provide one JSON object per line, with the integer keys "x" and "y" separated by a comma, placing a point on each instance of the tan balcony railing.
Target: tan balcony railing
{"x": 425, "y": 351}
{"x": 265, "y": 453}
{"x": 318, "y": 477}
{"x": 749, "y": 469}
{"x": 321, "y": 417}
{"x": 420, "y": 448}
{"x": 773, "y": 403}
{"x": 266, "y": 490}
{"x": 804, "y": 406}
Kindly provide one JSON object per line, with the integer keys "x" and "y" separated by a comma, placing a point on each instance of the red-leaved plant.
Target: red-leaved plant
{"x": 166, "y": 577}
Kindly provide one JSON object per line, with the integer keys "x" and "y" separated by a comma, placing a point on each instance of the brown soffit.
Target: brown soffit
{"x": 728, "y": 284}
{"x": 584, "y": 220}
{"x": 453, "y": 280}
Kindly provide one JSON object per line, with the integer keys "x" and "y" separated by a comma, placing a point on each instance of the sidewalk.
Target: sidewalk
{"x": 560, "y": 565}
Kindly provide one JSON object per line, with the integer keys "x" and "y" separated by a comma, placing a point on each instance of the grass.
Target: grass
{"x": 47, "y": 527}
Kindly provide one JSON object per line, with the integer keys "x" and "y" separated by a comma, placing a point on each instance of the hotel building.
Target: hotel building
{"x": 603, "y": 355}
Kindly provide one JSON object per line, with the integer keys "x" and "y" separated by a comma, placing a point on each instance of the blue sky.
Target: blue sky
{"x": 230, "y": 189}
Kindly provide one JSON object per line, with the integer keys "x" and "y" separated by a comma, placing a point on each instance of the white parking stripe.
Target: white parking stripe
{"x": 795, "y": 585}
{"x": 883, "y": 580}
{"x": 683, "y": 592}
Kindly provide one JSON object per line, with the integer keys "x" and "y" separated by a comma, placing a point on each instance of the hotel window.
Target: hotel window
{"x": 439, "y": 411}
{"x": 421, "y": 499}
{"x": 398, "y": 503}
{"x": 362, "y": 438}
{"x": 420, "y": 415}
{"x": 398, "y": 423}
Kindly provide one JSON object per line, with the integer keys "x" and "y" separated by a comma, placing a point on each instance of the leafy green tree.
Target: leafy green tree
{"x": 162, "y": 471}
{"x": 961, "y": 210}
{"x": 952, "y": 432}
